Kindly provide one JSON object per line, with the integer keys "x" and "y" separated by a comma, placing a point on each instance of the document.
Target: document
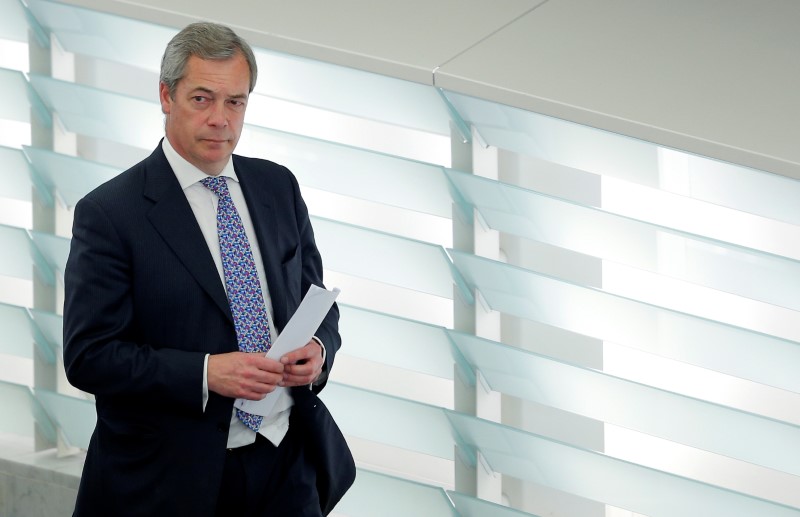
{"x": 296, "y": 334}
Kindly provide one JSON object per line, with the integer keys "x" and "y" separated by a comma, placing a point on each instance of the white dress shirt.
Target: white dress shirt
{"x": 204, "y": 205}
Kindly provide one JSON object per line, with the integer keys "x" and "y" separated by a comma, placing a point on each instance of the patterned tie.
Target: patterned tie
{"x": 241, "y": 281}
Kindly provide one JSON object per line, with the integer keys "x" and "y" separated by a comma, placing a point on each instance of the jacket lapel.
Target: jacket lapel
{"x": 174, "y": 220}
{"x": 261, "y": 205}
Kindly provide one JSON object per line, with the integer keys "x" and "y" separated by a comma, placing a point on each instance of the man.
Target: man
{"x": 181, "y": 273}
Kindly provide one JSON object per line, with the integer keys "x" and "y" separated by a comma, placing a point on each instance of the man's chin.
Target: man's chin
{"x": 216, "y": 152}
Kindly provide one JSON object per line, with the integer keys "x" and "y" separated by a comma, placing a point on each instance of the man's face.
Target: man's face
{"x": 204, "y": 120}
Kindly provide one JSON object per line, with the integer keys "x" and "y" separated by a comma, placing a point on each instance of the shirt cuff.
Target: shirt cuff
{"x": 324, "y": 374}
{"x": 205, "y": 382}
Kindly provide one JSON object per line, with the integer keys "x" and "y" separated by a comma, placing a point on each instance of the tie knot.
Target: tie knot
{"x": 216, "y": 184}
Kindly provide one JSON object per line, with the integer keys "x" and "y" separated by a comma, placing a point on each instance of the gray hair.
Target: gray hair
{"x": 205, "y": 40}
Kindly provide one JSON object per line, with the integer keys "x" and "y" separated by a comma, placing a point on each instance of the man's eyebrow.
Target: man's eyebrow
{"x": 205, "y": 89}
{"x": 209, "y": 91}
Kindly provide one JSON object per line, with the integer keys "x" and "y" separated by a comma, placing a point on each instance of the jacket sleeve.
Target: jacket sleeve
{"x": 312, "y": 272}
{"x": 102, "y": 352}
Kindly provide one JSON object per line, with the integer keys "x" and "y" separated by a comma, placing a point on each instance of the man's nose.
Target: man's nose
{"x": 217, "y": 116}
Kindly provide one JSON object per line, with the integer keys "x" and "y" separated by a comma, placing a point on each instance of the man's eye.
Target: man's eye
{"x": 198, "y": 98}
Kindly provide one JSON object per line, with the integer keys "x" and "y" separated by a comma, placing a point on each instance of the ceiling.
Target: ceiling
{"x": 720, "y": 78}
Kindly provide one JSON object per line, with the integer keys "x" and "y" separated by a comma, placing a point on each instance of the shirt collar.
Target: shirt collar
{"x": 187, "y": 173}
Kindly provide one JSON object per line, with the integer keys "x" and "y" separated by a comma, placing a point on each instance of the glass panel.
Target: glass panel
{"x": 601, "y": 478}
{"x": 15, "y": 90}
{"x": 15, "y": 182}
{"x": 379, "y": 494}
{"x": 71, "y": 177}
{"x": 724, "y": 348}
{"x": 16, "y": 415}
{"x": 104, "y": 36}
{"x": 99, "y": 113}
{"x": 15, "y": 261}
{"x": 605, "y": 153}
{"x": 698, "y": 217}
{"x": 55, "y": 249}
{"x": 471, "y": 507}
{"x": 19, "y": 333}
{"x": 594, "y": 232}
{"x": 16, "y": 338}
{"x": 559, "y": 141}
{"x": 384, "y": 257}
{"x": 76, "y": 417}
{"x": 355, "y": 172}
{"x": 393, "y": 421}
{"x": 404, "y": 343}
{"x": 13, "y": 25}
{"x": 52, "y": 328}
{"x": 354, "y": 92}
{"x": 635, "y": 406}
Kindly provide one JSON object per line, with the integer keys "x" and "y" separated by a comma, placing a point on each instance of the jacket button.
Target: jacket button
{"x": 222, "y": 427}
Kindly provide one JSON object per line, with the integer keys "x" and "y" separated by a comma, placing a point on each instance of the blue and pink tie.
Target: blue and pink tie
{"x": 241, "y": 281}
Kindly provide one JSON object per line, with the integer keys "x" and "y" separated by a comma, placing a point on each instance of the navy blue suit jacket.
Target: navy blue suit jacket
{"x": 144, "y": 304}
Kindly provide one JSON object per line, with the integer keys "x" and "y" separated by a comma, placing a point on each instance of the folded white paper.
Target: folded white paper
{"x": 296, "y": 334}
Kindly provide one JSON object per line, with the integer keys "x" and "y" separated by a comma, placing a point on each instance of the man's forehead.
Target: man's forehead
{"x": 212, "y": 75}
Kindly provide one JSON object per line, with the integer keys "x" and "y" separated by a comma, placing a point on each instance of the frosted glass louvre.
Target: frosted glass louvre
{"x": 559, "y": 141}
{"x": 16, "y": 414}
{"x": 15, "y": 261}
{"x": 52, "y": 329}
{"x": 608, "y": 154}
{"x": 404, "y": 343}
{"x": 383, "y": 257}
{"x": 392, "y": 420}
{"x": 632, "y": 405}
{"x": 601, "y": 478}
{"x": 15, "y": 180}
{"x": 355, "y": 172}
{"x": 15, "y": 91}
{"x": 13, "y": 25}
{"x": 471, "y": 507}
{"x": 71, "y": 178}
{"x": 591, "y": 312}
{"x": 354, "y": 92}
{"x": 75, "y": 417}
{"x": 97, "y": 113}
{"x": 378, "y": 494}
{"x": 16, "y": 338}
{"x": 104, "y": 36}
{"x": 609, "y": 236}
{"x": 54, "y": 249}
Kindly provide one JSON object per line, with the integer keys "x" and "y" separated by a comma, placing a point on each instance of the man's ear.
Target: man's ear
{"x": 164, "y": 97}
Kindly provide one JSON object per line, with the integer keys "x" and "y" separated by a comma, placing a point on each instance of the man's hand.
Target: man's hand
{"x": 302, "y": 366}
{"x": 244, "y": 375}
